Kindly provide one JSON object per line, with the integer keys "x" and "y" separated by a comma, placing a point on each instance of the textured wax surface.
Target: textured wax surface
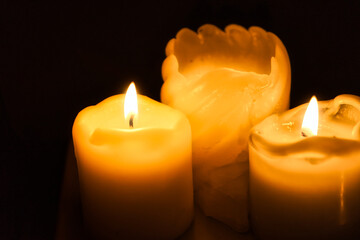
{"x": 225, "y": 82}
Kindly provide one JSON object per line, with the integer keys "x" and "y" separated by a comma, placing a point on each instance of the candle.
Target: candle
{"x": 305, "y": 179}
{"x": 225, "y": 82}
{"x": 134, "y": 169}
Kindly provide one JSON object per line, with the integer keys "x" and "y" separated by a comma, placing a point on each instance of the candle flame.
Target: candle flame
{"x": 130, "y": 104}
{"x": 310, "y": 123}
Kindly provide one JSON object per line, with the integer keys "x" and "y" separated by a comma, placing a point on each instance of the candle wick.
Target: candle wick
{"x": 131, "y": 121}
{"x": 305, "y": 132}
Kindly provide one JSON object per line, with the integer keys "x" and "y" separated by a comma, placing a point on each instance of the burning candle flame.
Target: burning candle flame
{"x": 310, "y": 123}
{"x": 130, "y": 104}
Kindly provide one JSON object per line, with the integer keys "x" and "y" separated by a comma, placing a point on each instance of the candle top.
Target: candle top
{"x": 108, "y": 118}
{"x": 338, "y": 131}
{"x": 235, "y": 48}
{"x": 103, "y": 130}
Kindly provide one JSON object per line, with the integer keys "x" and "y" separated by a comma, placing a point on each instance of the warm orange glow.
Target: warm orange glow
{"x": 130, "y": 104}
{"x": 310, "y": 123}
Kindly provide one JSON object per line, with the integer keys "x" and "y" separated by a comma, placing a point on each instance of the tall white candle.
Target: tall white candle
{"x": 225, "y": 82}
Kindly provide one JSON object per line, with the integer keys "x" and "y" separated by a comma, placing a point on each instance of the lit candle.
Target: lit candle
{"x": 134, "y": 168}
{"x": 225, "y": 82}
{"x": 305, "y": 172}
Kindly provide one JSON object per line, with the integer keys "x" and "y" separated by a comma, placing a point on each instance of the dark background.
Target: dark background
{"x": 59, "y": 57}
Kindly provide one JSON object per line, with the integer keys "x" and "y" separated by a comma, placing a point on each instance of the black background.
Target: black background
{"x": 59, "y": 57}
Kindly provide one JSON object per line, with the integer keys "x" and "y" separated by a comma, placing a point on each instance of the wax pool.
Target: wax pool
{"x": 225, "y": 82}
{"x": 307, "y": 187}
{"x": 136, "y": 183}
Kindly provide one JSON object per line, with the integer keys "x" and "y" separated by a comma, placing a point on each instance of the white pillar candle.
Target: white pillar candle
{"x": 135, "y": 181}
{"x": 303, "y": 184}
{"x": 225, "y": 82}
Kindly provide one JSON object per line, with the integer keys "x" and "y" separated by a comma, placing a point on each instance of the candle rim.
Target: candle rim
{"x": 326, "y": 145}
{"x": 175, "y": 117}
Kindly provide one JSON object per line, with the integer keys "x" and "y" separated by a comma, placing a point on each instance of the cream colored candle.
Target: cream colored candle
{"x": 303, "y": 185}
{"x": 136, "y": 182}
{"x": 225, "y": 82}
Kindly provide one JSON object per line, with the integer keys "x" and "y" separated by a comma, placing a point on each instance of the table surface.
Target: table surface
{"x": 69, "y": 224}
